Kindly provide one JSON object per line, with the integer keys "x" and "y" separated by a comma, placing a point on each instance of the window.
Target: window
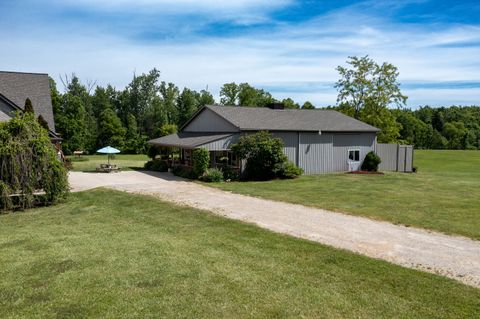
{"x": 354, "y": 155}
{"x": 225, "y": 157}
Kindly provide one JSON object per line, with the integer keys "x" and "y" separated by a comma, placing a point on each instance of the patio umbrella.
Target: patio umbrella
{"x": 108, "y": 150}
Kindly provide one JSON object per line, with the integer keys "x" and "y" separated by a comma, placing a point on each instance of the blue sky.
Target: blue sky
{"x": 288, "y": 47}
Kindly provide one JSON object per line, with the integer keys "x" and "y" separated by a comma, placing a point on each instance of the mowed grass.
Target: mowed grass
{"x": 444, "y": 195}
{"x": 107, "y": 254}
{"x": 127, "y": 162}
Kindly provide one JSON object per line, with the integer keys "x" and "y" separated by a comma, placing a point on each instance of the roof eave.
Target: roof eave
{"x": 10, "y": 102}
{"x": 193, "y": 145}
{"x": 312, "y": 130}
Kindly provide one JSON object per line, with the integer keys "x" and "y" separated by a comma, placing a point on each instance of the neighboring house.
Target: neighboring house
{"x": 319, "y": 141}
{"x": 16, "y": 87}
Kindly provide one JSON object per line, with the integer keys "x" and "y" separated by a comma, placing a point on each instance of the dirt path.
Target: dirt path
{"x": 451, "y": 256}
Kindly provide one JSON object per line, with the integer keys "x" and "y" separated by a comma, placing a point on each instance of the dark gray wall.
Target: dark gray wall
{"x": 5, "y": 111}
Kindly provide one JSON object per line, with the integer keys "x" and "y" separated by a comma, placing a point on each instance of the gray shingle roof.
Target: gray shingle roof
{"x": 17, "y": 87}
{"x": 187, "y": 139}
{"x": 264, "y": 118}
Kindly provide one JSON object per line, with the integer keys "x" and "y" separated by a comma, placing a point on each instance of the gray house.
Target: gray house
{"x": 16, "y": 87}
{"x": 319, "y": 141}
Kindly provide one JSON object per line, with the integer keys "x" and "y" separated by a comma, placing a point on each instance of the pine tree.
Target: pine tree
{"x": 28, "y": 106}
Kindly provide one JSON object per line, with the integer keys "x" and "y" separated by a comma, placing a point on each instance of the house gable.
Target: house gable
{"x": 208, "y": 121}
{"x": 18, "y": 86}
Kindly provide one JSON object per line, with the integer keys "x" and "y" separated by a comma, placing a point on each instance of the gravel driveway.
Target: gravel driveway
{"x": 451, "y": 256}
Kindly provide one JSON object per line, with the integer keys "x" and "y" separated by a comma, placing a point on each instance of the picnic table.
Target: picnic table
{"x": 78, "y": 153}
{"x": 108, "y": 168}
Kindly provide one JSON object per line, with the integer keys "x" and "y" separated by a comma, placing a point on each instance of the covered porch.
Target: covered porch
{"x": 184, "y": 143}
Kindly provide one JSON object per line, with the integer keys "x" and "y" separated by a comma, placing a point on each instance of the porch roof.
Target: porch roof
{"x": 188, "y": 139}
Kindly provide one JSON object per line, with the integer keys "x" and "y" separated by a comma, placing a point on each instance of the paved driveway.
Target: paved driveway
{"x": 451, "y": 256}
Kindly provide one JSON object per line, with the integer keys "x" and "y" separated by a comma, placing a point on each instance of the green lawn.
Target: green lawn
{"x": 108, "y": 254}
{"x": 90, "y": 162}
{"x": 444, "y": 195}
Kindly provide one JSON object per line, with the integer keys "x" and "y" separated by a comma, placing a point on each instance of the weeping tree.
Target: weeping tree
{"x": 30, "y": 172}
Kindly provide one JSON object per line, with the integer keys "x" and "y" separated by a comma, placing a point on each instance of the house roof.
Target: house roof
{"x": 7, "y": 116}
{"x": 4, "y": 117}
{"x": 264, "y": 118}
{"x": 187, "y": 139}
{"x": 18, "y": 86}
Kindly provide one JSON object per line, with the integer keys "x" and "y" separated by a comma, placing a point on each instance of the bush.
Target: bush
{"x": 68, "y": 164}
{"x": 153, "y": 151}
{"x": 230, "y": 174}
{"x": 201, "y": 161}
{"x": 264, "y": 155}
{"x": 212, "y": 175}
{"x": 289, "y": 170}
{"x": 184, "y": 171}
{"x": 371, "y": 162}
{"x": 29, "y": 165}
{"x": 157, "y": 165}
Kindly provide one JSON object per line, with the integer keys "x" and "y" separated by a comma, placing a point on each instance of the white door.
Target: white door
{"x": 353, "y": 160}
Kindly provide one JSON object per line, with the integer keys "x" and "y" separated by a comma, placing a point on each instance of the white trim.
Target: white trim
{"x": 354, "y": 150}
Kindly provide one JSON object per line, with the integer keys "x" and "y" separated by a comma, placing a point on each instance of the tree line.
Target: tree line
{"x": 89, "y": 117}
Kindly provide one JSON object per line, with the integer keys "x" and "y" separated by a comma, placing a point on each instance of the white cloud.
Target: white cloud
{"x": 293, "y": 55}
{"x": 444, "y": 97}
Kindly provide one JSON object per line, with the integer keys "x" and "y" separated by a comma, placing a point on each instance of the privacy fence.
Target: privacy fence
{"x": 395, "y": 157}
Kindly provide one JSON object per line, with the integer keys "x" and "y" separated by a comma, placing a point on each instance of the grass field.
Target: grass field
{"x": 108, "y": 254}
{"x": 444, "y": 195}
{"x": 90, "y": 162}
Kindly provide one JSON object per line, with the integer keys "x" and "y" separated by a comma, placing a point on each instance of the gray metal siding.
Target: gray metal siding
{"x": 222, "y": 144}
{"x": 326, "y": 153}
{"x": 209, "y": 121}
{"x": 290, "y": 139}
{"x": 315, "y": 153}
{"x": 342, "y": 143}
{"x": 401, "y": 158}
{"x": 395, "y": 157}
{"x": 409, "y": 158}
{"x": 388, "y": 155}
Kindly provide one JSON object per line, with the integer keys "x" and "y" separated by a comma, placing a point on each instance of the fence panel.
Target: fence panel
{"x": 395, "y": 157}
{"x": 408, "y": 158}
{"x": 388, "y": 155}
{"x": 402, "y": 153}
